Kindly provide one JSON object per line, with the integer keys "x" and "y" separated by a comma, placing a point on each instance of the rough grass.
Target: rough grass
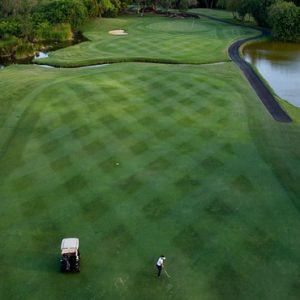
{"x": 138, "y": 160}
{"x": 151, "y": 39}
{"x": 7, "y": 45}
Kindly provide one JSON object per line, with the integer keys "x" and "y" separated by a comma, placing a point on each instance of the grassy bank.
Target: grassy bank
{"x": 224, "y": 15}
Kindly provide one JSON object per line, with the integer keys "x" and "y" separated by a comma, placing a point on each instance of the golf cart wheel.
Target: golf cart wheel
{"x": 62, "y": 267}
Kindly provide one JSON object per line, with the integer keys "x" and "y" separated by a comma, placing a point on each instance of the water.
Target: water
{"x": 40, "y": 54}
{"x": 51, "y": 46}
{"x": 279, "y": 64}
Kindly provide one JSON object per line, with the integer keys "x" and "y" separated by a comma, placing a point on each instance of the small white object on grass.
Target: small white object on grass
{"x": 118, "y": 32}
{"x": 117, "y": 163}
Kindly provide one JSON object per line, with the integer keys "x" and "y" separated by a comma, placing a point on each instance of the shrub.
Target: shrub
{"x": 24, "y": 49}
{"x": 105, "y": 6}
{"x": 48, "y": 32}
{"x": 61, "y": 32}
{"x": 42, "y": 31}
{"x": 10, "y": 27}
{"x": 73, "y": 12}
{"x": 92, "y": 7}
{"x": 284, "y": 20}
{"x": 221, "y": 4}
{"x": 8, "y": 45}
{"x": 259, "y": 10}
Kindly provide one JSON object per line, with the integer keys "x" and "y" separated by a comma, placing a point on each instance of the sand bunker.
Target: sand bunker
{"x": 118, "y": 32}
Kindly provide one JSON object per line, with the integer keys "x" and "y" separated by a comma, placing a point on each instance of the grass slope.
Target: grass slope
{"x": 224, "y": 15}
{"x": 217, "y": 13}
{"x": 138, "y": 160}
{"x": 163, "y": 40}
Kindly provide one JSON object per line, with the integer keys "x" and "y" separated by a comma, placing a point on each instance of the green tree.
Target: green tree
{"x": 11, "y": 27}
{"x": 166, "y": 4}
{"x": 10, "y": 7}
{"x": 244, "y": 8}
{"x": 297, "y": 2}
{"x": 210, "y": 3}
{"x": 92, "y": 7}
{"x": 27, "y": 28}
{"x": 221, "y": 4}
{"x": 259, "y": 10}
{"x": 73, "y": 12}
{"x": 232, "y": 5}
{"x": 16, "y": 7}
{"x": 284, "y": 18}
{"x": 110, "y": 8}
{"x": 183, "y": 5}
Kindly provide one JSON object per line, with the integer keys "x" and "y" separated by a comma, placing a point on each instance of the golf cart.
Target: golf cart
{"x": 70, "y": 256}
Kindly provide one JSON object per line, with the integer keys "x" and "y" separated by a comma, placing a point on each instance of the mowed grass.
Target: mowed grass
{"x": 151, "y": 39}
{"x": 139, "y": 160}
{"x": 224, "y": 15}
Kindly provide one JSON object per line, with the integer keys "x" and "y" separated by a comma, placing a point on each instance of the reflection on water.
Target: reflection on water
{"x": 279, "y": 64}
{"x": 48, "y": 46}
{"x": 40, "y": 54}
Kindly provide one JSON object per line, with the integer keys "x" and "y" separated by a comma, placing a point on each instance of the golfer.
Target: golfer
{"x": 160, "y": 264}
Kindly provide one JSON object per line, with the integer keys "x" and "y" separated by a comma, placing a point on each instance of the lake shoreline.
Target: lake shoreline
{"x": 279, "y": 64}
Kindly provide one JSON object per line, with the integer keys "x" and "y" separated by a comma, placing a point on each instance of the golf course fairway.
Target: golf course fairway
{"x": 143, "y": 159}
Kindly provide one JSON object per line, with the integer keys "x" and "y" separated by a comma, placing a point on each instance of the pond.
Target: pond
{"x": 43, "y": 51}
{"x": 279, "y": 64}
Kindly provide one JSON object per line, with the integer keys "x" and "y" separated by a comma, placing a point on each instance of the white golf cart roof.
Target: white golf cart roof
{"x": 69, "y": 245}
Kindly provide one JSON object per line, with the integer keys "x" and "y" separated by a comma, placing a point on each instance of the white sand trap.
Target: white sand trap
{"x": 118, "y": 32}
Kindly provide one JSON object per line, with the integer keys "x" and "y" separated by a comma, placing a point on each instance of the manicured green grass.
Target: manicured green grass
{"x": 293, "y": 111}
{"x": 152, "y": 39}
{"x": 223, "y": 15}
{"x": 139, "y": 160}
{"x": 218, "y": 13}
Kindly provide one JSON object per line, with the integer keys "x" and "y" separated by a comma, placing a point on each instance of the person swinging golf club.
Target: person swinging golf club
{"x": 160, "y": 264}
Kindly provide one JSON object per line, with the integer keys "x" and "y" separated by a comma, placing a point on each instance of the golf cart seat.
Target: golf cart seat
{"x": 70, "y": 255}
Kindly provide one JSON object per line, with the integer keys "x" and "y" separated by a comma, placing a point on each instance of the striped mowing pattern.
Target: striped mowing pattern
{"x": 138, "y": 160}
{"x": 150, "y": 38}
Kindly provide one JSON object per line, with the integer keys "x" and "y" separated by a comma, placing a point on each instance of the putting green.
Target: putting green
{"x": 151, "y": 38}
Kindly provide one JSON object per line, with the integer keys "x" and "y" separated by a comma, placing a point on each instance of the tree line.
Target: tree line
{"x": 38, "y": 20}
{"x": 44, "y": 19}
{"x": 282, "y": 16}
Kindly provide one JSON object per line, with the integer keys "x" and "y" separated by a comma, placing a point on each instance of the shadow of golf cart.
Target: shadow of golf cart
{"x": 70, "y": 256}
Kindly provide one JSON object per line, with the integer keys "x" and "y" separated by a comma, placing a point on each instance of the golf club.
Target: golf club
{"x": 167, "y": 273}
